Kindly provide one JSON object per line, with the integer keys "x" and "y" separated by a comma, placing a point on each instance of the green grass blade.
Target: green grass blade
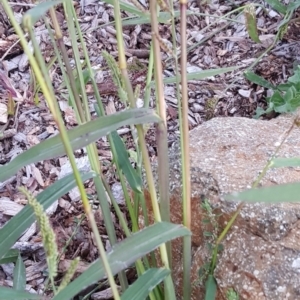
{"x": 210, "y": 288}
{"x": 285, "y": 162}
{"x": 296, "y": 77}
{"x": 37, "y": 12}
{"x": 10, "y": 256}
{"x": 19, "y": 282}
{"x": 231, "y": 294}
{"x": 136, "y": 21}
{"x": 127, "y": 7}
{"x": 122, "y": 158}
{"x": 10, "y": 294}
{"x": 273, "y": 194}
{"x": 12, "y": 230}
{"x": 141, "y": 288}
{"x": 124, "y": 254}
{"x": 292, "y": 6}
{"x": 251, "y": 76}
{"x": 164, "y": 18}
{"x": 201, "y": 75}
{"x": 144, "y": 17}
{"x": 79, "y": 137}
{"x": 277, "y": 5}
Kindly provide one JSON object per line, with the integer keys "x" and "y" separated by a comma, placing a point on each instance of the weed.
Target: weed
{"x": 285, "y": 97}
{"x": 231, "y": 294}
{"x": 210, "y": 106}
{"x": 210, "y": 222}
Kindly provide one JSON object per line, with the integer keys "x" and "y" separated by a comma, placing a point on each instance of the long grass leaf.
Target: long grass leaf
{"x": 122, "y": 158}
{"x": 285, "y": 162}
{"x": 19, "y": 282}
{"x": 124, "y": 254}
{"x": 164, "y": 18}
{"x": 210, "y": 288}
{"x": 141, "y": 288}
{"x": 292, "y": 6}
{"x": 251, "y": 76}
{"x": 201, "y": 75}
{"x": 10, "y": 256}
{"x": 127, "y": 7}
{"x": 79, "y": 137}
{"x": 37, "y": 12}
{"x": 273, "y": 194}
{"x": 277, "y": 5}
{"x": 10, "y": 294}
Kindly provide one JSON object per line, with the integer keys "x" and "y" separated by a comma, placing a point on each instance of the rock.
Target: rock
{"x": 261, "y": 255}
{"x": 117, "y": 192}
{"x": 83, "y": 165}
{"x": 3, "y": 113}
{"x": 197, "y": 107}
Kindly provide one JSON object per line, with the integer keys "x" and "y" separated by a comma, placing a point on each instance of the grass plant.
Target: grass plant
{"x": 153, "y": 281}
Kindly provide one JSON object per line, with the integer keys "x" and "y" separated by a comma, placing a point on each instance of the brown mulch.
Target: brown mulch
{"x": 225, "y": 44}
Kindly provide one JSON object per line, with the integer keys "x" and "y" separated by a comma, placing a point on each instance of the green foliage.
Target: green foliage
{"x": 205, "y": 272}
{"x": 10, "y": 256}
{"x": 11, "y": 294}
{"x": 210, "y": 288}
{"x": 141, "y": 288}
{"x": 124, "y": 254}
{"x": 14, "y": 228}
{"x": 293, "y": 5}
{"x": 273, "y": 194}
{"x": 277, "y": 5}
{"x": 122, "y": 159}
{"x": 79, "y": 137}
{"x": 143, "y": 17}
{"x": 201, "y": 74}
{"x": 283, "y": 9}
{"x": 285, "y": 162}
{"x": 231, "y": 294}
{"x": 19, "y": 275}
{"x": 135, "y": 246}
{"x": 37, "y": 12}
{"x": 285, "y": 98}
{"x": 210, "y": 220}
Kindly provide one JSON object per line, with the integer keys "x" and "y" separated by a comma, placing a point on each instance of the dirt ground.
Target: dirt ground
{"x": 213, "y": 44}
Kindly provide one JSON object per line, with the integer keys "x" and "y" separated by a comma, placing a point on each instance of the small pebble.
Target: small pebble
{"x": 197, "y": 107}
